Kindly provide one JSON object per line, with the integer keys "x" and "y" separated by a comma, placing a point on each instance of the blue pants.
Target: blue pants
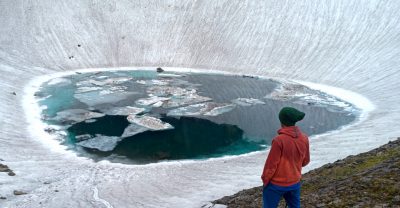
{"x": 272, "y": 194}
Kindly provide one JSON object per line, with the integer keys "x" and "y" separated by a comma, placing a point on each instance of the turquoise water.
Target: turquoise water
{"x": 200, "y": 115}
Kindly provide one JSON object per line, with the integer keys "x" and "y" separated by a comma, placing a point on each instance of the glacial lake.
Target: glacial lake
{"x": 142, "y": 116}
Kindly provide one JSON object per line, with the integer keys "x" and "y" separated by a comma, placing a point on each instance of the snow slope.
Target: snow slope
{"x": 352, "y": 45}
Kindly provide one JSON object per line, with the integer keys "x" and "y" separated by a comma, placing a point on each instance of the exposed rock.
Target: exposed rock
{"x": 369, "y": 179}
{"x": 4, "y": 168}
{"x": 16, "y": 192}
{"x": 159, "y": 70}
{"x": 3, "y": 197}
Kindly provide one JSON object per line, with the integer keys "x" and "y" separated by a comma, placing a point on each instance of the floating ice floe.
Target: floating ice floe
{"x": 150, "y": 100}
{"x": 169, "y": 91}
{"x": 169, "y": 75}
{"x": 149, "y": 122}
{"x": 124, "y": 111}
{"x": 220, "y": 110}
{"x": 153, "y": 82}
{"x": 113, "y": 89}
{"x": 247, "y": 101}
{"x": 93, "y": 98}
{"x": 110, "y": 81}
{"x": 103, "y": 82}
{"x": 87, "y": 89}
{"x": 76, "y": 115}
{"x": 287, "y": 91}
{"x": 133, "y": 129}
{"x": 82, "y": 137}
{"x": 63, "y": 81}
{"x": 207, "y": 109}
{"x": 102, "y": 143}
{"x": 185, "y": 100}
{"x": 301, "y": 94}
{"x": 102, "y": 77}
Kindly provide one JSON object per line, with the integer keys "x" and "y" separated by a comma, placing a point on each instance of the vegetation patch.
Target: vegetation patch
{"x": 369, "y": 179}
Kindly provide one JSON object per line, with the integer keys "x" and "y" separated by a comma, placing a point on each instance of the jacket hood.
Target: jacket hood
{"x": 292, "y": 131}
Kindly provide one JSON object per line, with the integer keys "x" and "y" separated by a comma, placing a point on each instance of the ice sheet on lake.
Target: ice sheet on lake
{"x": 133, "y": 129}
{"x": 76, "y": 115}
{"x": 208, "y": 109}
{"x": 59, "y": 81}
{"x": 102, "y": 143}
{"x": 149, "y": 122}
{"x": 124, "y": 111}
{"x": 247, "y": 101}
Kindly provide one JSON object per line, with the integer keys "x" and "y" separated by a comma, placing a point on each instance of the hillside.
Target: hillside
{"x": 369, "y": 179}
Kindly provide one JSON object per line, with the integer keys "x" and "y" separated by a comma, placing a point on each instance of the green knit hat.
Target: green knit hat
{"x": 289, "y": 116}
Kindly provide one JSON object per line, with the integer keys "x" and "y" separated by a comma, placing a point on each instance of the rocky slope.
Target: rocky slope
{"x": 370, "y": 179}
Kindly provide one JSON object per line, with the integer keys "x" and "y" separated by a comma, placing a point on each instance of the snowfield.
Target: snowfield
{"x": 349, "y": 49}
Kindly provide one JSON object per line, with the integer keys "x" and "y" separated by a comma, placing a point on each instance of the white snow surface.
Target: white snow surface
{"x": 351, "y": 49}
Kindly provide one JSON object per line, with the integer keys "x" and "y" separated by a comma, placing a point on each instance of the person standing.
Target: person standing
{"x": 289, "y": 152}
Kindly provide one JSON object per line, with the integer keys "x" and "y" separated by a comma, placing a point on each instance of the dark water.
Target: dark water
{"x": 241, "y": 130}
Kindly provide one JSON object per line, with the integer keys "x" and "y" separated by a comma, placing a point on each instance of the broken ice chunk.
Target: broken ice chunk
{"x": 185, "y": 100}
{"x": 158, "y": 104}
{"x": 102, "y": 143}
{"x": 124, "y": 111}
{"x": 220, "y": 110}
{"x": 153, "y": 82}
{"x": 150, "y": 101}
{"x": 76, "y": 115}
{"x": 247, "y": 101}
{"x": 87, "y": 89}
{"x": 287, "y": 91}
{"x": 82, "y": 137}
{"x": 95, "y": 98}
{"x": 149, "y": 122}
{"x": 133, "y": 129}
{"x": 110, "y": 81}
{"x": 168, "y": 91}
{"x": 169, "y": 75}
{"x": 207, "y": 109}
{"x": 191, "y": 110}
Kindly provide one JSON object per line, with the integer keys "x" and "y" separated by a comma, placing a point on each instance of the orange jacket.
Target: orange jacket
{"x": 290, "y": 151}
